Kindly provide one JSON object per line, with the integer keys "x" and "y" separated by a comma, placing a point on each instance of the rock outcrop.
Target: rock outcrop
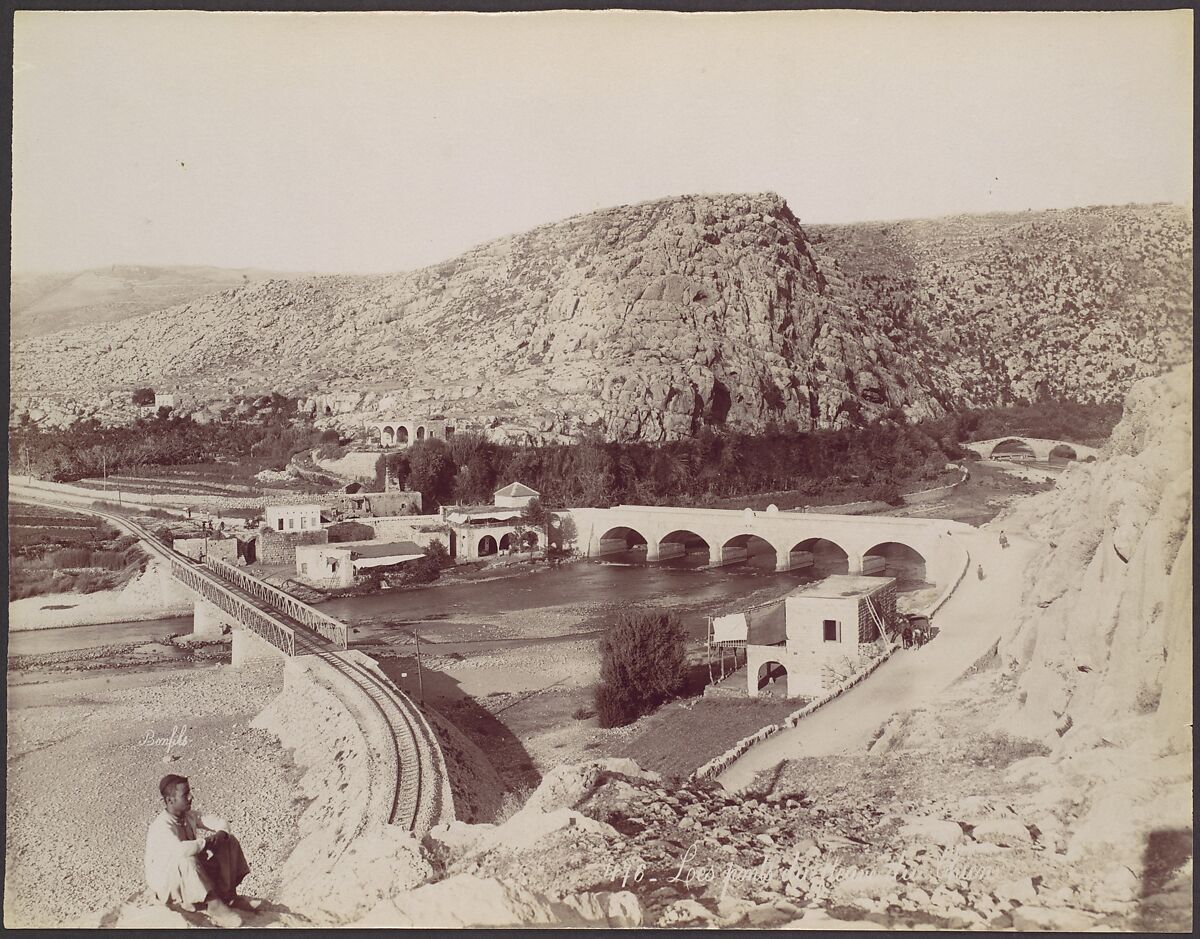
{"x": 1106, "y": 641}
{"x": 654, "y": 320}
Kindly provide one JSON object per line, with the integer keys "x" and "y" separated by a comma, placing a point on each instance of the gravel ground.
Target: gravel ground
{"x": 83, "y": 769}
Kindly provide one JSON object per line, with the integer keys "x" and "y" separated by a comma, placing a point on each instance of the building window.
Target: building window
{"x": 304, "y": 523}
{"x": 291, "y": 523}
{"x": 833, "y": 631}
{"x": 303, "y": 568}
{"x": 281, "y": 523}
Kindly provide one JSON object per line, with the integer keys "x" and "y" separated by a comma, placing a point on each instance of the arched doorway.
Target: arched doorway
{"x": 683, "y": 548}
{"x": 828, "y": 557}
{"x": 756, "y": 552}
{"x": 506, "y": 541}
{"x": 387, "y": 436}
{"x": 420, "y": 433}
{"x": 1013, "y": 449}
{"x": 623, "y": 544}
{"x": 772, "y": 679}
{"x": 906, "y": 564}
{"x": 402, "y": 434}
{"x": 487, "y": 546}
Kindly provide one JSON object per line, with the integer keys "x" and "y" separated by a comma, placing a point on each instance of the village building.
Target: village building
{"x": 289, "y": 518}
{"x": 339, "y": 565}
{"x": 515, "y": 496}
{"x": 807, "y": 642}
{"x": 223, "y": 549}
{"x": 363, "y": 504}
{"x": 480, "y": 531}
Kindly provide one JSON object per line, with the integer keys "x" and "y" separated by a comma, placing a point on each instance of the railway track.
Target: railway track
{"x": 409, "y": 759}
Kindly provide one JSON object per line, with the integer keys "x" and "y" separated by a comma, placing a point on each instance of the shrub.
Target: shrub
{"x": 642, "y": 665}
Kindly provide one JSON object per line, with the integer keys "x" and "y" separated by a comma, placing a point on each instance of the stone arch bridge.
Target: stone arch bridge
{"x": 1038, "y": 446}
{"x": 666, "y": 531}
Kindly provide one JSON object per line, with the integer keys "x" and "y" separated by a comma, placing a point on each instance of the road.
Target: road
{"x": 975, "y": 616}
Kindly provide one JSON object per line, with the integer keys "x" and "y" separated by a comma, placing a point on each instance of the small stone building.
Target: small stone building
{"x": 337, "y": 565}
{"x": 279, "y": 547}
{"x": 223, "y": 549}
{"x": 832, "y": 629}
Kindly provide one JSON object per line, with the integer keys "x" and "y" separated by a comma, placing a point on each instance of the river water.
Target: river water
{"x": 586, "y": 587}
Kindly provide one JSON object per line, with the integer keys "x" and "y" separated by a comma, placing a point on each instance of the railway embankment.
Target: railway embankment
{"x": 375, "y": 780}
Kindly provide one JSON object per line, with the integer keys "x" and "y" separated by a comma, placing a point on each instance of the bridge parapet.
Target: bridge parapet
{"x": 325, "y": 626}
{"x": 268, "y": 627}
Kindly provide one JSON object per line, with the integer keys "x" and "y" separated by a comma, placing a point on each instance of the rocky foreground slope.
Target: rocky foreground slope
{"x": 653, "y": 320}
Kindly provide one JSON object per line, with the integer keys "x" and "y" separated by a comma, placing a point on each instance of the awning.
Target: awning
{"x": 730, "y": 628}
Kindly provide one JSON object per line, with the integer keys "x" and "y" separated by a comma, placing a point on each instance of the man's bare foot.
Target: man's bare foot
{"x": 222, "y": 915}
{"x": 188, "y": 907}
{"x": 239, "y": 902}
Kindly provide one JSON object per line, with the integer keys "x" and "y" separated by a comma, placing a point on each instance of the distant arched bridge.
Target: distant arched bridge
{"x": 731, "y": 534}
{"x": 1036, "y": 448}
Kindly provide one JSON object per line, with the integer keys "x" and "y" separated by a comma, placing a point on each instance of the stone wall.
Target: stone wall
{"x": 275, "y": 547}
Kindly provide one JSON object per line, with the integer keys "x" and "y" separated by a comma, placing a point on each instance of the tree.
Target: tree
{"x": 537, "y": 517}
{"x": 642, "y": 665}
{"x": 431, "y": 472}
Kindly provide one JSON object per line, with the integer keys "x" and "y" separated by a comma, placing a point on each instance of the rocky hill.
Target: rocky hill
{"x": 46, "y": 303}
{"x": 650, "y": 321}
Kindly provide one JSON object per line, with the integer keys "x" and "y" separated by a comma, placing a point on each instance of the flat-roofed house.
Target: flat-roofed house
{"x": 815, "y": 637}
{"x": 337, "y": 565}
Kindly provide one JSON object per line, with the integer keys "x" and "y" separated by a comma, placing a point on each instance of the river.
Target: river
{"x": 588, "y": 588}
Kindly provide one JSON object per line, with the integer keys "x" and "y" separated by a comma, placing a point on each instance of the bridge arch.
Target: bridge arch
{"x": 621, "y": 538}
{"x": 1064, "y": 451}
{"x": 744, "y": 547}
{"x": 679, "y": 544}
{"x": 1013, "y": 447}
{"x": 904, "y": 562}
{"x": 487, "y": 546}
{"x": 828, "y": 557}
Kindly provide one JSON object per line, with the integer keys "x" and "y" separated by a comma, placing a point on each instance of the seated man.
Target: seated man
{"x": 192, "y": 858}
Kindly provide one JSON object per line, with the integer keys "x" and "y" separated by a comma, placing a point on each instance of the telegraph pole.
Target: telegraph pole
{"x": 420, "y": 673}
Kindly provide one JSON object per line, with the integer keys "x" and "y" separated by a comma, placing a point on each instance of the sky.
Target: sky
{"x": 367, "y": 142}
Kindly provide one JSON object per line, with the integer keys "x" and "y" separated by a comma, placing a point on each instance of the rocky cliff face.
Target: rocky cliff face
{"x": 651, "y": 321}
{"x": 1106, "y": 640}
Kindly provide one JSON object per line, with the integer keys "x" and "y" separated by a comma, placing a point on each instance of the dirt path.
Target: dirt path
{"x": 977, "y": 614}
